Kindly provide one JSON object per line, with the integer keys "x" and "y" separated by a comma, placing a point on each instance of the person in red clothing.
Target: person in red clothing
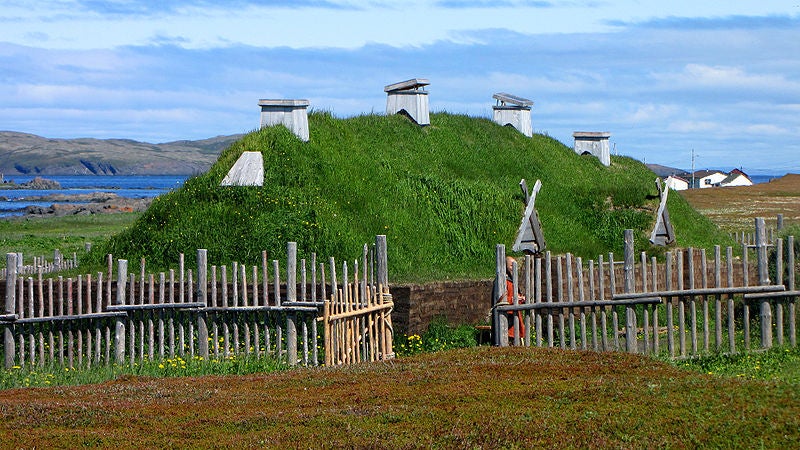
{"x": 509, "y": 298}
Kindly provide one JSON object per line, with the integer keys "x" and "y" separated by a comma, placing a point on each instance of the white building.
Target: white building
{"x": 736, "y": 178}
{"x": 677, "y": 183}
{"x": 708, "y": 178}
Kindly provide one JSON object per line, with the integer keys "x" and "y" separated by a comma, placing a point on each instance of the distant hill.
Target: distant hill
{"x": 444, "y": 195}
{"x": 28, "y": 154}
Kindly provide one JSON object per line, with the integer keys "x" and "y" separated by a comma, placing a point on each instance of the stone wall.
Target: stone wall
{"x": 460, "y": 302}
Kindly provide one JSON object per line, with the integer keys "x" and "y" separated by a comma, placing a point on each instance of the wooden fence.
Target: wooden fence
{"x": 41, "y": 264}
{"x": 749, "y": 237}
{"x": 215, "y": 312}
{"x": 687, "y": 305}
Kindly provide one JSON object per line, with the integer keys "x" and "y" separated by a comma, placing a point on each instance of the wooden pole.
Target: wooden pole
{"x": 548, "y": 278}
{"x": 10, "y": 308}
{"x": 730, "y": 309}
{"x": 382, "y": 261}
{"x": 761, "y": 247}
{"x": 779, "y": 282}
{"x": 202, "y": 297}
{"x": 793, "y": 302}
{"x": 763, "y": 279}
{"x": 630, "y": 312}
{"x": 291, "y": 296}
{"x": 498, "y": 331}
{"x": 119, "y": 336}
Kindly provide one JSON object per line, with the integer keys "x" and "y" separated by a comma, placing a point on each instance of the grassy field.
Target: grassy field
{"x": 40, "y": 236}
{"x": 733, "y": 208}
{"x": 479, "y": 397}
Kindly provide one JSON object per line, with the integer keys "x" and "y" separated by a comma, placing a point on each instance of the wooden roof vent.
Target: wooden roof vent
{"x": 293, "y": 114}
{"x": 411, "y": 98}
{"x": 514, "y": 111}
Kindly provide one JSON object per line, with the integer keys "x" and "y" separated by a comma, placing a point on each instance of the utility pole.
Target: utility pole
{"x": 693, "y": 169}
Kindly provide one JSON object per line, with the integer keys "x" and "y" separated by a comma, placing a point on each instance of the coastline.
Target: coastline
{"x": 84, "y": 195}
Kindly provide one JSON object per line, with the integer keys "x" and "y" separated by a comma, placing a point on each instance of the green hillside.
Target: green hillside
{"x": 444, "y": 195}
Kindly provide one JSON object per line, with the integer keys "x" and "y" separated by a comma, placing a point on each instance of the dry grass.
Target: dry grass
{"x": 472, "y": 398}
{"x": 733, "y": 208}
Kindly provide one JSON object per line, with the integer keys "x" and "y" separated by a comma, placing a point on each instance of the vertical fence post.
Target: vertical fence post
{"x": 202, "y": 297}
{"x": 10, "y": 308}
{"x": 761, "y": 247}
{"x": 119, "y": 331}
{"x": 382, "y": 266}
{"x": 779, "y": 225}
{"x": 499, "y": 332}
{"x": 630, "y": 312}
{"x": 291, "y": 296}
{"x": 763, "y": 279}
{"x": 791, "y": 280}
{"x": 382, "y": 260}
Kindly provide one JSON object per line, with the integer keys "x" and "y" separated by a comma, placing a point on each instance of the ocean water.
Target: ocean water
{"x": 763, "y": 178}
{"x": 14, "y": 201}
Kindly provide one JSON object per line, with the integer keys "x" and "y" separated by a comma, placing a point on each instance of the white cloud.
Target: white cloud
{"x": 766, "y": 129}
{"x": 651, "y": 113}
{"x": 690, "y": 126}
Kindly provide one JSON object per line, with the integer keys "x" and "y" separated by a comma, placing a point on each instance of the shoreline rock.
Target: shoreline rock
{"x": 111, "y": 204}
{"x": 38, "y": 183}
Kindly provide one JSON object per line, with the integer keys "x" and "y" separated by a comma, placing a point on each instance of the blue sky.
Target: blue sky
{"x": 722, "y": 78}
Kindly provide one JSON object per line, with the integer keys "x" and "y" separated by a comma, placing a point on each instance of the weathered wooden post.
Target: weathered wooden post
{"x": 499, "y": 321}
{"x": 630, "y": 312}
{"x": 202, "y": 297}
{"x": 382, "y": 261}
{"x": 763, "y": 279}
{"x": 779, "y": 225}
{"x": 10, "y": 308}
{"x": 119, "y": 331}
{"x": 382, "y": 267}
{"x": 791, "y": 282}
{"x": 779, "y": 282}
{"x": 291, "y": 296}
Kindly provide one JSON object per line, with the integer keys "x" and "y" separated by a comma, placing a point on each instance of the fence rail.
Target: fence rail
{"x": 686, "y": 305}
{"x": 212, "y": 312}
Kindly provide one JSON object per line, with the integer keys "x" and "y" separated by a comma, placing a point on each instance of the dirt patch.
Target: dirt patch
{"x": 734, "y": 208}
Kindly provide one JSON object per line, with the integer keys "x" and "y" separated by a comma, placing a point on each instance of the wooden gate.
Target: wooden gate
{"x": 357, "y": 318}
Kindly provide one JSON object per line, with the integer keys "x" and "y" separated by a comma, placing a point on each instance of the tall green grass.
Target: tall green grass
{"x": 444, "y": 195}
{"x": 178, "y": 366}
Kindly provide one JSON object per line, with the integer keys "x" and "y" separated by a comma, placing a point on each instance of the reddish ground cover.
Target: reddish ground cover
{"x": 473, "y": 398}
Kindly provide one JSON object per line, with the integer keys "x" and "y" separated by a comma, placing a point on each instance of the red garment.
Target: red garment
{"x": 510, "y": 299}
